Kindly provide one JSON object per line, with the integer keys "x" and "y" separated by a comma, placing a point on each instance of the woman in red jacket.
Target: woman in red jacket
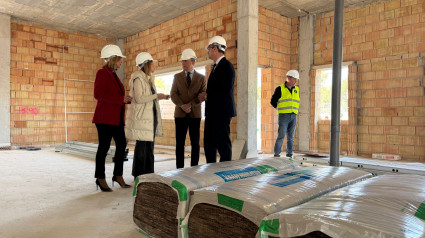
{"x": 109, "y": 116}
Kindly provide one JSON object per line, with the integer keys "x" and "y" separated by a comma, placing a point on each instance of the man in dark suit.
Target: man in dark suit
{"x": 220, "y": 103}
{"x": 187, "y": 114}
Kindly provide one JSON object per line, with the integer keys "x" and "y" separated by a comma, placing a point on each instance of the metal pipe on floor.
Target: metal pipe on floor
{"x": 336, "y": 83}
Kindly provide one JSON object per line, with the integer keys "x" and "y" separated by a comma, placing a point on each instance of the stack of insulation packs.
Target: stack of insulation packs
{"x": 384, "y": 206}
{"x": 236, "y": 209}
{"x": 162, "y": 200}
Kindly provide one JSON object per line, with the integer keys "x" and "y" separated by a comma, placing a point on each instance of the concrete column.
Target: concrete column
{"x": 247, "y": 74}
{"x": 121, "y": 70}
{"x": 306, "y": 61}
{"x": 5, "y": 80}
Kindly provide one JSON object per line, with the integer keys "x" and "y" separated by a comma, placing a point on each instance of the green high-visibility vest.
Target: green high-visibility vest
{"x": 288, "y": 102}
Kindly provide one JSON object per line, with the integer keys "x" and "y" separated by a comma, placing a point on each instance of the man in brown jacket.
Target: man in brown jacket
{"x": 187, "y": 114}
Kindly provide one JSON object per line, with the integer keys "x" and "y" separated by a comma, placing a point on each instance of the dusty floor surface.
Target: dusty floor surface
{"x": 49, "y": 194}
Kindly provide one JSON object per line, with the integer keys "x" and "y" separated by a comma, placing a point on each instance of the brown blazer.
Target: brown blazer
{"x": 181, "y": 94}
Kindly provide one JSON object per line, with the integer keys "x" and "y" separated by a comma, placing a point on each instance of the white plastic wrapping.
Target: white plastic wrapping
{"x": 259, "y": 196}
{"x": 384, "y": 206}
{"x": 183, "y": 181}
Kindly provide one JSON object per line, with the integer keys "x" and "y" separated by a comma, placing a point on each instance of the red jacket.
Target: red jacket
{"x": 109, "y": 94}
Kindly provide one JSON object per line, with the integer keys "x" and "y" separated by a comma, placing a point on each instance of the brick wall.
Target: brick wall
{"x": 386, "y": 39}
{"x": 40, "y": 59}
{"x": 277, "y": 53}
{"x": 386, "y": 88}
{"x": 166, "y": 41}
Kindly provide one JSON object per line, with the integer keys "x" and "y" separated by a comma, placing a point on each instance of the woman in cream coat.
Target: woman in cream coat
{"x": 143, "y": 120}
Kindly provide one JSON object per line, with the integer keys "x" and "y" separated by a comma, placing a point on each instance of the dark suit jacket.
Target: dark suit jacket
{"x": 181, "y": 94}
{"x": 109, "y": 93}
{"x": 220, "y": 99}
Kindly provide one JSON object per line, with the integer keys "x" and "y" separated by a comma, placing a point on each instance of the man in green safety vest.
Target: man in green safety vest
{"x": 286, "y": 99}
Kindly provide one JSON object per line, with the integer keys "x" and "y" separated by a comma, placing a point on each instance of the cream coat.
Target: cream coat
{"x": 139, "y": 118}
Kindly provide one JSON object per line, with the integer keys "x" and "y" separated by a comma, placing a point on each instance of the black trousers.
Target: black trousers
{"x": 182, "y": 124}
{"x": 105, "y": 135}
{"x": 143, "y": 160}
{"x": 217, "y": 137}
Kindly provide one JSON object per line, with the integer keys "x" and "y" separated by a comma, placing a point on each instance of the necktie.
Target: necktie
{"x": 188, "y": 80}
{"x": 213, "y": 67}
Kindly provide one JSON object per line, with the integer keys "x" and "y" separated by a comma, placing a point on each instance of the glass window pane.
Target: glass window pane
{"x": 163, "y": 83}
{"x": 324, "y": 80}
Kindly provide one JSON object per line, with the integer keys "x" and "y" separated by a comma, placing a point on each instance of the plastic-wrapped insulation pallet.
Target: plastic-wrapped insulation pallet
{"x": 162, "y": 200}
{"x": 390, "y": 205}
{"x": 236, "y": 209}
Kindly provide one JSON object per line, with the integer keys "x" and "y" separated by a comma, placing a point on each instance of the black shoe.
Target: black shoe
{"x": 277, "y": 156}
{"x": 123, "y": 185}
{"x": 107, "y": 189}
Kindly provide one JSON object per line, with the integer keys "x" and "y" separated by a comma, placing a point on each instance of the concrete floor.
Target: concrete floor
{"x": 49, "y": 194}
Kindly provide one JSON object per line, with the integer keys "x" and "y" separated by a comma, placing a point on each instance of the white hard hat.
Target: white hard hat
{"x": 219, "y": 41}
{"x": 111, "y": 50}
{"x": 188, "y": 54}
{"x": 143, "y": 57}
{"x": 293, "y": 73}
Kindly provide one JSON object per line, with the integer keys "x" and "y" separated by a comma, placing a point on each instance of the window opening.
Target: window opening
{"x": 163, "y": 83}
{"x": 324, "y": 81}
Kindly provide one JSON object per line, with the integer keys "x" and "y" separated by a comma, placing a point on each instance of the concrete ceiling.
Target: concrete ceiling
{"x": 122, "y": 18}
{"x": 294, "y": 8}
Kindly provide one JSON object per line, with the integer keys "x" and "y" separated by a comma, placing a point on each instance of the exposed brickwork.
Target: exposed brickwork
{"x": 40, "y": 59}
{"x": 277, "y": 53}
{"x": 386, "y": 40}
{"x": 166, "y": 41}
{"x": 386, "y": 83}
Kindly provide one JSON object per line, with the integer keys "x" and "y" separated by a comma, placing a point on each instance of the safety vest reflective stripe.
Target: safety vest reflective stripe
{"x": 285, "y": 108}
{"x": 288, "y": 102}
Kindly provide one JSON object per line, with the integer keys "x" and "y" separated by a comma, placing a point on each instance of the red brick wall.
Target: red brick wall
{"x": 166, "y": 41}
{"x": 38, "y": 67}
{"x": 386, "y": 40}
{"x": 277, "y": 53}
{"x": 386, "y": 88}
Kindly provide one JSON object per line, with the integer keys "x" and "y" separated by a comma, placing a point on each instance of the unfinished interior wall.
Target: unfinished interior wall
{"x": 166, "y": 41}
{"x": 277, "y": 53}
{"x": 386, "y": 40}
{"x": 41, "y": 58}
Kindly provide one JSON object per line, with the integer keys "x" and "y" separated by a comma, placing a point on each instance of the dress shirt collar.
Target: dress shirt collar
{"x": 191, "y": 73}
{"x": 218, "y": 60}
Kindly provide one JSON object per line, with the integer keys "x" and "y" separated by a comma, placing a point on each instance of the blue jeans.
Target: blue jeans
{"x": 287, "y": 123}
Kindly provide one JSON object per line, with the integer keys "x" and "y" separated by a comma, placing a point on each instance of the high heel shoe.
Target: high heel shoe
{"x": 122, "y": 184}
{"x": 104, "y": 189}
